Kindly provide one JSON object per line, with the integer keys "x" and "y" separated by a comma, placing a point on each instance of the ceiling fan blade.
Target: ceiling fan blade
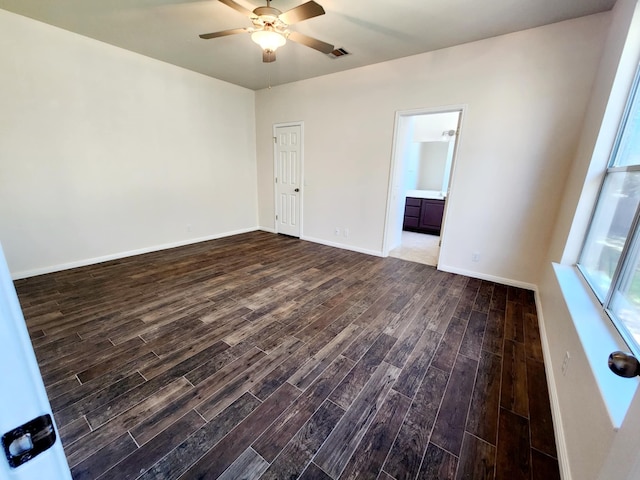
{"x": 268, "y": 56}
{"x": 311, "y": 42}
{"x": 238, "y": 7}
{"x": 223, "y": 33}
{"x": 301, "y": 12}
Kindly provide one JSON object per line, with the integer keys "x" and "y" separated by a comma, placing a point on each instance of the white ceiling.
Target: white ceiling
{"x": 372, "y": 31}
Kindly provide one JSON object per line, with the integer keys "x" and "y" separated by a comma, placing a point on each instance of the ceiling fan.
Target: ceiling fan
{"x": 271, "y": 27}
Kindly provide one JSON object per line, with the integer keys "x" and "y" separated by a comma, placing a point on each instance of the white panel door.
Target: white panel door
{"x": 30, "y": 447}
{"x": 288, "y": 157}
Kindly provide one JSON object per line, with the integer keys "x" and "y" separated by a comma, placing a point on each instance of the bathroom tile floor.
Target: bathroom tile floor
{"x": 419, "y": 248}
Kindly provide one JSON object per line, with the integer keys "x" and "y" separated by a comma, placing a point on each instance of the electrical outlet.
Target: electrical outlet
{"x": 565, "y": 363}
{"x": 346, "y": 233}
{"x": 475, "y": 257}
{"x": 337, "y": 231}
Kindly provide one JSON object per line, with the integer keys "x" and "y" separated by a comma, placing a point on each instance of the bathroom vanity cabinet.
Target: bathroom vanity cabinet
{"x": 423, "y": 215}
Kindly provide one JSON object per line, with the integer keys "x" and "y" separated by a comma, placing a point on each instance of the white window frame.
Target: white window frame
{"x": 634, "y": 230}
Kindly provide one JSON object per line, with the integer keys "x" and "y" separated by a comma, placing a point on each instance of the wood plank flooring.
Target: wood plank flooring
{"x": 263, "y": 356}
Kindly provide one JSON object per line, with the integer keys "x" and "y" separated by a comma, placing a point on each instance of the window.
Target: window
{"x": 610, "y": 258}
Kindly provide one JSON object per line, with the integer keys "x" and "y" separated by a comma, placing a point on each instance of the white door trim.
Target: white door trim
{"x": 393, "y": 170}
{"x": 275, "y": 171}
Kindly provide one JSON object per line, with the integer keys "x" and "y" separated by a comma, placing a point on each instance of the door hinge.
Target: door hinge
{"x": 276, "y": 217}
{"x": 276, "y": 179}
{"x": 275, "y": 140}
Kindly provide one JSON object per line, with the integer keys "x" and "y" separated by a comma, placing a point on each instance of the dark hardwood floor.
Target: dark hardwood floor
{"x": 264, "y": 356}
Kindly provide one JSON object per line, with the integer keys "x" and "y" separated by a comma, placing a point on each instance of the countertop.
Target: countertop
{"x": 432, "y": 194}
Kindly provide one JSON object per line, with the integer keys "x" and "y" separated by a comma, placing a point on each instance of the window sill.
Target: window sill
{"x": 599, "y": 338}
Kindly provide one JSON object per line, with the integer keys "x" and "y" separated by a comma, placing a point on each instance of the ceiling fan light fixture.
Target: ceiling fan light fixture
{"x": 271, "y": 28}
{"x": 269, "y": 40}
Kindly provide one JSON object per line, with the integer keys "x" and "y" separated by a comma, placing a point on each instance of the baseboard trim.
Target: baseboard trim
{"x": 129, "y": 253}
{"x": 376, "y": 253}
{"x": 489, "y": 278}
{"x": 561, "y": 443}
{"x": 267, "y": 229}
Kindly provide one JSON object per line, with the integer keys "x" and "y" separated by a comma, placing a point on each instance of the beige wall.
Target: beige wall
{"x": 525, "y": 95}
{"x": 594, "y": 449}
{"x": 104, "y": 152}
{"x": 109, "y": 122}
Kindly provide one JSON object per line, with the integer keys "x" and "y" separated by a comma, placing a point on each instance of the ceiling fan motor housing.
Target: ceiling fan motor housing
{"x": 268, "y": 15}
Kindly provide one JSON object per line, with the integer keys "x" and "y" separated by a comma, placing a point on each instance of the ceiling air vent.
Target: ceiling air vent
{"x": 338, "y": 52}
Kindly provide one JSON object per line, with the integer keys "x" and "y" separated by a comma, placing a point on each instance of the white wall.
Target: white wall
{"x": 594, "y": 449}
{"x": 429, "y": 127}
{"x": 407, "y": 157}
{"x": 411, "y": 158}
{"x": 525, "y": 94}
{"x": 104, "y": 152}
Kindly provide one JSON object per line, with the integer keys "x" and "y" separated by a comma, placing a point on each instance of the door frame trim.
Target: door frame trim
{"x": 393, "y": 169}
{"x": 300, "y": 124}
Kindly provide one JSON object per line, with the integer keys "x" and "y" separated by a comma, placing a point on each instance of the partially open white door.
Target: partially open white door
{"x": 288, "y": 159}
{"x": 30, "y": 445}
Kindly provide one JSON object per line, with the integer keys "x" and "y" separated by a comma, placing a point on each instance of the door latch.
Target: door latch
{"x": 29, "y": 440}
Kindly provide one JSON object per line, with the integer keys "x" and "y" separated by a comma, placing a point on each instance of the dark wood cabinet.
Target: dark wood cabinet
{"x": 423, "y": 215}
{"x": 431, "y": 214}
{"x": 412, "y": 214}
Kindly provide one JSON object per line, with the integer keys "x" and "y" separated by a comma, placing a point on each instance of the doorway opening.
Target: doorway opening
{"x": 424, "y": 148}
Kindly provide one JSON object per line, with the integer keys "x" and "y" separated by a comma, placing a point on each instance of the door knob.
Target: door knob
{"x": 624, "y": 364}
{"x": 297, "y": 190}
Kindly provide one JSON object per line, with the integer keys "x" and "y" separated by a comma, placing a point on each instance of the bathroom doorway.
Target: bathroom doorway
{"x": 425, "y": 143}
